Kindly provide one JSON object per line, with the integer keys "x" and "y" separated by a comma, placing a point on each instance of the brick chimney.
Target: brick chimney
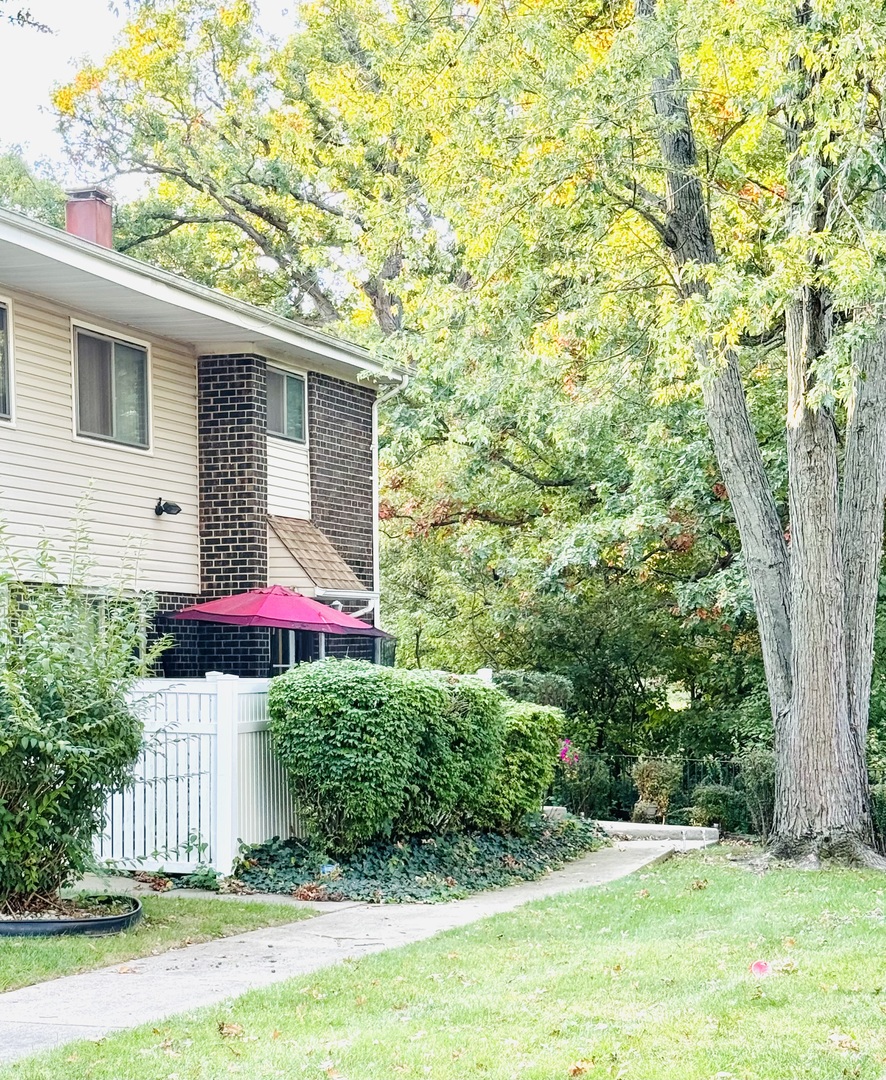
{"x": 88, "y": 215}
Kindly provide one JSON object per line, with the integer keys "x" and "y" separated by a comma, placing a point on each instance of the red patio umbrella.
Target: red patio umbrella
{"x": 278, "y": 608}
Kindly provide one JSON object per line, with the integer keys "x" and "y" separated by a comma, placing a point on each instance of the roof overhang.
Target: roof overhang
{"x": 47, "y": 262}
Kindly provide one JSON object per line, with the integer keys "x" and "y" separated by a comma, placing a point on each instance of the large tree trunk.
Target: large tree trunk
{"x": 861, "y": 521}
{"x": 822, "y": 806}
{"x": 815, "y": 610}
{"x": 821, "y": 775}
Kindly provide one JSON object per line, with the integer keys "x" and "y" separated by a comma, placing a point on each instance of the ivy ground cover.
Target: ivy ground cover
{"x": 644, "y": 979}
{"x": 425, "y": 869}
{"x": 169, "y": 923}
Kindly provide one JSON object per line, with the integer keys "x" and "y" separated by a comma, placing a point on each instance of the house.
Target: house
{"x": 234, "y": 448}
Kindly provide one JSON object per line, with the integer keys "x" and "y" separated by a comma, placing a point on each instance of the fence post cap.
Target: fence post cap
{"x": 216, "y": 676}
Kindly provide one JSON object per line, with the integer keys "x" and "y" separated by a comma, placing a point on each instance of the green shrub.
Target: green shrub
{"x": 719, "y": 804}
{"x": 529, "y": 758}
{"x": 457, "y": 753}
{"x": 538, "y": 687}
{"x": 69, "y": 733}
{"x": 757, "y": 780}
{"x": 348, "y": 732}
{"x": 657, "y": 780}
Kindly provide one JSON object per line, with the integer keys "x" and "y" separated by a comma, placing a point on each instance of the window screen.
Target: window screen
{"x": 5, "y": 391}
{"x": 286, "y": 405}
{"x": 112, "y": 390}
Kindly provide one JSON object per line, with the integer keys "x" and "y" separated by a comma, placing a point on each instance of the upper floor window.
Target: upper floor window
{"x": 286, "y": 405}
{"x": 5, "y": 366}
{"x": 112, "y": 389}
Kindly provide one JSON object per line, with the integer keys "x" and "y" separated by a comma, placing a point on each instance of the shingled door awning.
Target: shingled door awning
{"x": 278, "y": 608}
{"x": 315, "y": 553}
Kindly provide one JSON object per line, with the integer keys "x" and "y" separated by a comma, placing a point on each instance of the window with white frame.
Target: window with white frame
{"x": 286, "y": 405}
{"x": 5, "y": 366}
{"x": 112, "y": 389}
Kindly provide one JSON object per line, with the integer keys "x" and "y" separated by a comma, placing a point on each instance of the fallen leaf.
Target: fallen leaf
{"x": 842, "y": 1042}
{"x": 126, "y": 970}
{"x": 230, "y": 1031}
{"x": 580, "y": 1067}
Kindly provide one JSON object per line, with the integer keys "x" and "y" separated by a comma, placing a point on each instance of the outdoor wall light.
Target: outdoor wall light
{"x": 170, "y": 508}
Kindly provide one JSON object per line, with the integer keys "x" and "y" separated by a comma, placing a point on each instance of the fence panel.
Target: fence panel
{"x": 266, "y": 806}
{"x": 206, "y": 780}
{"x": 163, "y": 820}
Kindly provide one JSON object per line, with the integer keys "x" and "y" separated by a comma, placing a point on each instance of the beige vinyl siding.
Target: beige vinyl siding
{"x": 45, "y": 470}
{"x": 289, "y": 479}
{"x": 283, "y": 569}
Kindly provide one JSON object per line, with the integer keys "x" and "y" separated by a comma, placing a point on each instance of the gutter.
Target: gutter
{"x": 376, "y": 531}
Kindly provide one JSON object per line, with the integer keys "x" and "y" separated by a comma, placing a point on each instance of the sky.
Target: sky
{"x": 32, "y": 63}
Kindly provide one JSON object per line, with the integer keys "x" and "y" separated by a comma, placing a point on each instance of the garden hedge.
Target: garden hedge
{"x": 376, "y": 752}
{"x": 70, "y": 735}
{"x": 526, "y": 767}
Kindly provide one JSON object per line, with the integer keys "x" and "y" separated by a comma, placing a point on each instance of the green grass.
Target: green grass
{"x": 168, "y": 924}
{"x": 642, "y": 979}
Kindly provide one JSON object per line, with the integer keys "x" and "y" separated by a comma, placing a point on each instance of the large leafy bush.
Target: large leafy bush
{"x": 69, "y": 733}
{"x": 719, "y": 804}
{"x": 526, "y": 767}
{"x": 374, "y": 751}
{"x": 458, "y": 752}
{"x": 347, "y": 734}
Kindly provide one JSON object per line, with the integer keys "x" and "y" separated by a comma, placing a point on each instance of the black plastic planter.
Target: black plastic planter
{"x": 93, "y": 926}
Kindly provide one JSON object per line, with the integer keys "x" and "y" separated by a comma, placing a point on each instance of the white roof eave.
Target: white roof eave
{"x": 47, "y": 262}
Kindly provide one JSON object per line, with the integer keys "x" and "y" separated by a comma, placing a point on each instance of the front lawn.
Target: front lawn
{"x": 168, "y": 924}
{"x": 643, "y": 979}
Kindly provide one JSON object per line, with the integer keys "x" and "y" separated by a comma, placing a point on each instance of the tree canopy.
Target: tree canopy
{"x": 619, "y": 244}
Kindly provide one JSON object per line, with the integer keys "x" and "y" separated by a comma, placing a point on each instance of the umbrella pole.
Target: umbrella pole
{"x": 321, "y": 654}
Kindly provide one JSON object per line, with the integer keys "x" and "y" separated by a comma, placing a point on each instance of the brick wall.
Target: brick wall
{"x": 232, "y": 422}
{"x": 232, "y": 427}
{"x": 340, "y": 442}
{"x": 184, "y": 659}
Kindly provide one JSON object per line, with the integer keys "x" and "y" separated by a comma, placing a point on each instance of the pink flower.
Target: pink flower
{"x": 761, "y": 969}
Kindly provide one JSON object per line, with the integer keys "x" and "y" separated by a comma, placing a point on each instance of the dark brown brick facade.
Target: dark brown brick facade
{"x": 232, "y": 430}
{"x": 340, "y": 442}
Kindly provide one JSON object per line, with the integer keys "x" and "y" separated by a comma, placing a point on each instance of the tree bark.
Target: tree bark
{"x": 821, "y": 773}
{"x": 861, "y": 521}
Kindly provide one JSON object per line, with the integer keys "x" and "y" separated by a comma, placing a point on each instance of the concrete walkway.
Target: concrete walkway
{"x": 126, "y": 995}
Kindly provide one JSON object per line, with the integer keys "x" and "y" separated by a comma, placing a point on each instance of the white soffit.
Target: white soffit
{"x": 104, "y": 284}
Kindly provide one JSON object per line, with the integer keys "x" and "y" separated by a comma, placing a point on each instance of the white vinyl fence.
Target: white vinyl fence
{"x": 206, "y": 781}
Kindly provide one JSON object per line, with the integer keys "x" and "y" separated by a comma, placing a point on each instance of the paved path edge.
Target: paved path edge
{"x": 150, "y": 989}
